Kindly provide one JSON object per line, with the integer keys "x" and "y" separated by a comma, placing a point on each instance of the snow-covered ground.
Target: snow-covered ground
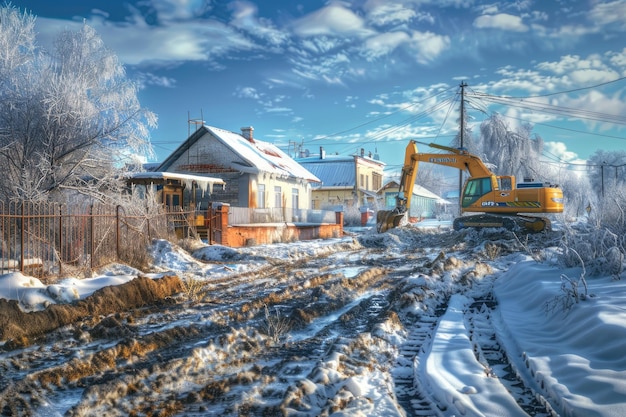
{"x": 486, "y": 295}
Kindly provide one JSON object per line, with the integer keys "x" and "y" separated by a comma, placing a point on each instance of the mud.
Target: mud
{"x": 18, "y": 328}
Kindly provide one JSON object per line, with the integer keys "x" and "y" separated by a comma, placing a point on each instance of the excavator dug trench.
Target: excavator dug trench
{"x": 499, "y": 200}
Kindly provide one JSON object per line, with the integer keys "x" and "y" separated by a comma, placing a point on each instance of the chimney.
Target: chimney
{"x": 247, "y": 132}
{"x": 322, "y": 153}
{"x": 362, "y": 152}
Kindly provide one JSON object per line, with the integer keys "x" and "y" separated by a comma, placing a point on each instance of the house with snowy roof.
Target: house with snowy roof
{"x": 242, "y": 191}
{"x": 256, "y": 174}
{"x": 348, "y": 181}
{"x": 424, "y": 203}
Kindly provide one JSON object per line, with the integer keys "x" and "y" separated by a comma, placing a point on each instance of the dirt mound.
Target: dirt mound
{"x": 17, "y": 327}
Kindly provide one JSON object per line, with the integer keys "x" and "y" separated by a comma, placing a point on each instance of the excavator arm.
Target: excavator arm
{"x": 387, "y": 219}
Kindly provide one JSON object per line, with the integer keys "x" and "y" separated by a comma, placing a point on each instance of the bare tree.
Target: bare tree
{"x": 69, "y": 119}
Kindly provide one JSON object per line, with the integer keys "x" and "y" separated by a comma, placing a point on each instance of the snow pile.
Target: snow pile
{"x": 578, "y": 351}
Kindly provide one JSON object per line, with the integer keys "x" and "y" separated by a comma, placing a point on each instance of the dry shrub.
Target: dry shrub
{"x": 275, "y": 325}
{"x": 214, "y": 390}
{"x": 492, "y": 251}
{"x": 193, "y": 288}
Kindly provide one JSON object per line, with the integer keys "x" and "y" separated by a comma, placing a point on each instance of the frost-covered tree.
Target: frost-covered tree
{"x": 607, "y": 174}
{"x": 512, "y": 152}
{"x": 577, "y": 194}
{"x": 607, "y": 171}
{"x": 69, "y": 118}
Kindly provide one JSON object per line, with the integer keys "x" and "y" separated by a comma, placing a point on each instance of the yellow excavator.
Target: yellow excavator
{"x": 501, "y": 202}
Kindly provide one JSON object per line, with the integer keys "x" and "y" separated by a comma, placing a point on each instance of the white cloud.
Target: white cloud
{"x": 147, "y": 78}
{"x": 383, "y": 44}
{"x": 581, "y": 71}
{"x": 502, "y": 21}
{"x": 603, "y": 14}
{"x": 428, "y": 45}
{"x": 559, "y": 150}
{"x": 247, "y": 92}
{"x": 180, "y": 41}
{"x": 618, "y": 59}
{"x": 172, "y": 10}
{"x": 245, "y": 18}
{"x": 382, "y": 14}
{"x": 332, "y": 20}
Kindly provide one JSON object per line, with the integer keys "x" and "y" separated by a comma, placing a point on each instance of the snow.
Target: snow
{"x": 206, "y": 183}
{"x": 263, "y": 156}
{"x": 579, "y": 351}
{"x": 456, "y": 377}
{"x": 575, "y": 355}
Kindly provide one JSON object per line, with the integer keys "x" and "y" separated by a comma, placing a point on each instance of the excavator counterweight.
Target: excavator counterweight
{"x": 501, "y": 202}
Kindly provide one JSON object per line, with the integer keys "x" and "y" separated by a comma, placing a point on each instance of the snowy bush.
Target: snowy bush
{"x": 600, "y": 249}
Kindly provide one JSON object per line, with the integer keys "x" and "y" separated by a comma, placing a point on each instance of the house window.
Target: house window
{"x": 261, "y": 193}
{"x": 367, "y": 183}
{"x": 295, "y": 198}
{"x": 278, "y": 197}
{"x": 362, "y": 180}
{"x": 377, "y": 181}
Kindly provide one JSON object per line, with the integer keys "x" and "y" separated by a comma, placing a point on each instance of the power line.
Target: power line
{"x": 379, "y": 118}
{"x": 576, "y": 89}
{"x": 552, "y": 109}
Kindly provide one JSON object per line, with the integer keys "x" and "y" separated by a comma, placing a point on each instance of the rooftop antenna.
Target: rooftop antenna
{"x": 196, "y": 122}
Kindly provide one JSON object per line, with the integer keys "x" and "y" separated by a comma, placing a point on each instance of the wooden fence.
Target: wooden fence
{"x": 53, "y": 240}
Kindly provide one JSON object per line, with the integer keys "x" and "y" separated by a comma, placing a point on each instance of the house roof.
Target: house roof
{"x": 258, "y": 156}
{"x": 418, "y": 190}
{"x": 333, "y": 171}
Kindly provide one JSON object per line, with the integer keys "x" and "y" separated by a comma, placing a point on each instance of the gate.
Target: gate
{"x": 217, "y": 217}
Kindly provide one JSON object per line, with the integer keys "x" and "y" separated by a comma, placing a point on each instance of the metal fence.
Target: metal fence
{"x": 244, "y": 215}
{"x": 48, "y": 240}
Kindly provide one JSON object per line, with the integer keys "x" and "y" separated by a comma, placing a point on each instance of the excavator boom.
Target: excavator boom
{"x": 502, "y": 202}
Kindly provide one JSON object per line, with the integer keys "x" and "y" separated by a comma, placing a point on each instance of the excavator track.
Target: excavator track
{"x": 521, "y": 223}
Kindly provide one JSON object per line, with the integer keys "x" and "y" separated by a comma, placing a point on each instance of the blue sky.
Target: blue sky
{"x": 367, "y": 74}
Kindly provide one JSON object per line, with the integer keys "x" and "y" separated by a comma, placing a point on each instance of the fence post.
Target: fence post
{"x": 91, "y": 237}
{"x": 117, "y": 231}
{"x": 60, "y": 239}
{"x": 148, "y": 222}
{"x": 22, "y": 240}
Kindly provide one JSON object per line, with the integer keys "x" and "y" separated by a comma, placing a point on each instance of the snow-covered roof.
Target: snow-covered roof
{"x": 334, "y": 171}
{"x": 205, "y": 183}
{"x": 420, "y": 191}
{"x": 261, "y": 156}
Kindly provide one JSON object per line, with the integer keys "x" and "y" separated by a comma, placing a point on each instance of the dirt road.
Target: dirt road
{"x": 343, "y": 332}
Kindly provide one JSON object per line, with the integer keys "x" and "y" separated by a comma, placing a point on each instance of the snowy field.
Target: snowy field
{"x": 415, "y": 321}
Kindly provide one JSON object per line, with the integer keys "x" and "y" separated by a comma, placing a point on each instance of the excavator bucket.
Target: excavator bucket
{"x": 387, "y": 219}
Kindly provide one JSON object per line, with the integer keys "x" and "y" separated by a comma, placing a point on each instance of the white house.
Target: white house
{"x": 256, "y": 174}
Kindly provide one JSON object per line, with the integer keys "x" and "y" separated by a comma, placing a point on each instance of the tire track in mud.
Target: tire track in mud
{"x": 215, "y": 356}
{"x": 409, "y": 392}
{"x": 134, "y": 352}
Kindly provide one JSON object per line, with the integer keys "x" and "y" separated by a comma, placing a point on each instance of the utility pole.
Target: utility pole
{"x": 602, "y": 171}
{"x": 463, "y": 85}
